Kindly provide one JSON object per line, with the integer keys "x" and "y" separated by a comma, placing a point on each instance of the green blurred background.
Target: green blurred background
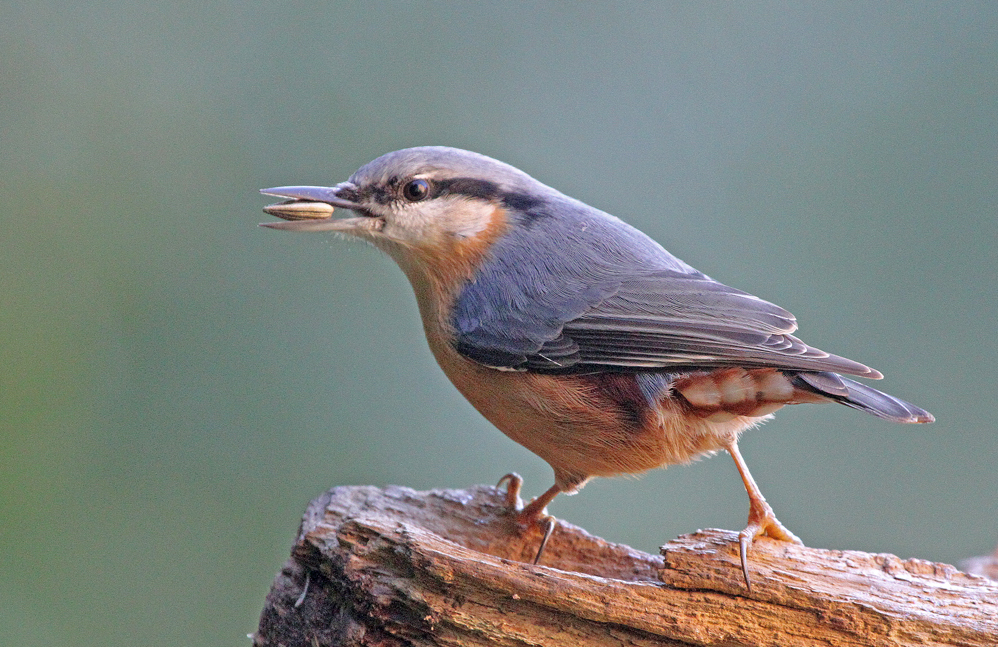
{"x": 177, "y": 383}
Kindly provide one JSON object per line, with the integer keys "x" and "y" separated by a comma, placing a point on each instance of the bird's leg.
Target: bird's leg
{"x": 533, "y": 511}
{"x": 761, "y": 519}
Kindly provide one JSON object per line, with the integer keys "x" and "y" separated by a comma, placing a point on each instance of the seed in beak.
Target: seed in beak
{"x": 300, "y": 210}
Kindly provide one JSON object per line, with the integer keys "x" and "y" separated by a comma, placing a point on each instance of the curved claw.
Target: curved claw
{"x": 549, "y": 526}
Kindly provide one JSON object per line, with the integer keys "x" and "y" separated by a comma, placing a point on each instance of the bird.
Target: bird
{"x": 574, "y": 333}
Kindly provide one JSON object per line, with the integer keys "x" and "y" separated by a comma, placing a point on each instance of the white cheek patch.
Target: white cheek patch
{"x": 468, "y": 218}
{"x": 447, "y": 217}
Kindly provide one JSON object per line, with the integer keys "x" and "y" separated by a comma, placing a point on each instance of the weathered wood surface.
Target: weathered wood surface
{"x": 394, "y": 567}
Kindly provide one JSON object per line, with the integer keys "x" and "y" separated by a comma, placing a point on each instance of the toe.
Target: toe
{"x": 762, "y": 521}
{"x": 513, "y": 483}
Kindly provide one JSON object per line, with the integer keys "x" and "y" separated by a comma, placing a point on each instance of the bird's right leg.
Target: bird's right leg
{"x": 761, "y": 519}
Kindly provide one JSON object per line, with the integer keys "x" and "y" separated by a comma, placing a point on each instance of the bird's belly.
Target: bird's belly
{"x": 589, "y": 425}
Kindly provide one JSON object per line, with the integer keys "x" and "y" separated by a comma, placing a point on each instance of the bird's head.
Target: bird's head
{"x": 432, "y": 208}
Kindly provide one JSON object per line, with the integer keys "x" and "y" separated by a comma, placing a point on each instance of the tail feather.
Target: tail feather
{"x": 862, "y": 397}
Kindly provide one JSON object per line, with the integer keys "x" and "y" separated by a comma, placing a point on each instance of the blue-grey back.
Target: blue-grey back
{"x": 561, "y": 258}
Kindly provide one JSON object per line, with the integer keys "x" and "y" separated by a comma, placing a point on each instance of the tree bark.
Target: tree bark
{"x": 393, "y": 567}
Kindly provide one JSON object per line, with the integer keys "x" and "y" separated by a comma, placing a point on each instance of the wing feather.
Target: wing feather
{"x": 591, "y": 293}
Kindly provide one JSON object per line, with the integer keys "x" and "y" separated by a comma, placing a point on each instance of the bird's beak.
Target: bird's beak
{"x": 310, "y": 208}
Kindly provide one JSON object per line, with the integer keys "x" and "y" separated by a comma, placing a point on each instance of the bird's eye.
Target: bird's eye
{"x": 416, "y": 190}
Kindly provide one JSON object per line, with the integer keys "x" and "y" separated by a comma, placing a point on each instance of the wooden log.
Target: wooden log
{"x": 392, "y": 567}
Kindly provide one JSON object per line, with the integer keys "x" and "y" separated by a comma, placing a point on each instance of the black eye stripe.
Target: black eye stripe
{"x": 471, "y": 187}
{"x": 486, "y": 190}
{"x": 532, "y": 208}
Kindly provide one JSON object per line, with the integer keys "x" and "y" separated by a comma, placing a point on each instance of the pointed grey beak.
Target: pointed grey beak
{"x": 308, "y": 208}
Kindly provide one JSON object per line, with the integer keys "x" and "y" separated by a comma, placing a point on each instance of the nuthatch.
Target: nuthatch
{"x": 575, "y": 334}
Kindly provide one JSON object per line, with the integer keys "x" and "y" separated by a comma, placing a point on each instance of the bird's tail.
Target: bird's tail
{"x": 860, "y": 396}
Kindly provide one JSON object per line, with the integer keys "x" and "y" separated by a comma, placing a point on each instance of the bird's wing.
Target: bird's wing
{"x": 584, "y": 291}
{"x": 664, "y": 320}
{"x": 658, "y": 320}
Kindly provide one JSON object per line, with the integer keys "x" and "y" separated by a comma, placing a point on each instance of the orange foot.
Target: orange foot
{"x": 761, "y": 521}
{"x": 533, "y": 512}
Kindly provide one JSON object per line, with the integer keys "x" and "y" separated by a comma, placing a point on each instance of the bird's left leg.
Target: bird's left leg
{"x": 761, "y": 519}
{"x": 533, "y": 511}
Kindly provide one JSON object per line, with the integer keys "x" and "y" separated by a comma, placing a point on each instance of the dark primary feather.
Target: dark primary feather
{"x": 584, "y": 291}
{"x": 862, "y": 397}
